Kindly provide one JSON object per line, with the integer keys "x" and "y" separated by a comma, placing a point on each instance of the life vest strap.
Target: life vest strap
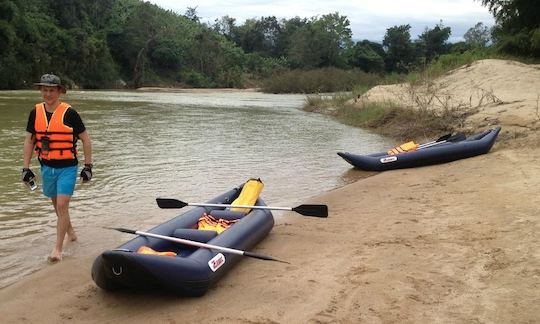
{"x": 61, "y": 141}
{"x": 59, "y": 149}
{"x": 50, "y": 133}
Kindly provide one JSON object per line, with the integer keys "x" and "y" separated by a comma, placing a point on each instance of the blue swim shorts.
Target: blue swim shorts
{"x": 58, "y": 181}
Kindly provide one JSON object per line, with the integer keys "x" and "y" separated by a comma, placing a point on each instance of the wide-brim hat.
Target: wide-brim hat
{"x": 50, "y": 80}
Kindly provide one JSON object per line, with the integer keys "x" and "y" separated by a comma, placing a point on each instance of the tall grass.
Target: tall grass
{"x": 328, "y": 102}
{"x": 400, "y": 122}
{"x": 318, "y": 81}
{"x": 448, "y": 62}
{"x": 443, "y": 64}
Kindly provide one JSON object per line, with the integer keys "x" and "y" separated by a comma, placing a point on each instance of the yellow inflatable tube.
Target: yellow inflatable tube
{"x": 250, "y": 192}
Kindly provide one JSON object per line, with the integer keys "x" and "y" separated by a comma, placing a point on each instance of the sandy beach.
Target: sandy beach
{"x": 451, "y": 243}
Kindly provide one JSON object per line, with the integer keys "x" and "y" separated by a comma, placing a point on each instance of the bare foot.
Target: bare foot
{"x": 71, "y": 236}
{"x": 55, "y": 256}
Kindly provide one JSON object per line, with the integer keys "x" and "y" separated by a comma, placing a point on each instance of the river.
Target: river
{"x": 190, "y": 146}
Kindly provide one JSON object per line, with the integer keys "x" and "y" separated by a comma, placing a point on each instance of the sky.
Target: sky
{"x": 369, "y": 19}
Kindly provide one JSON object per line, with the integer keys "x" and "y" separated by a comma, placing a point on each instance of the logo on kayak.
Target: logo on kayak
{"x": 388, "y": 159}
{"x": 216, "y": 262}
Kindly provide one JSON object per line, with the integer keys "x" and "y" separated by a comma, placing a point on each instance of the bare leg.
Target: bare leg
{"x": 71, "y": 236}
{"x": 61, "y": 206}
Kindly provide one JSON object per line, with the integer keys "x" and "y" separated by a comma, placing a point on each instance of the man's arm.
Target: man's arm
{"x": 87, "y": 147}
{"x": 27, "y": 149}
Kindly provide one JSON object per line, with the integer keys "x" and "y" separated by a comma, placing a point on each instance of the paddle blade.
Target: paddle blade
{"x": 262, "y": 257}
{"x": 457, "y": 138}
{"x": 170, "y": 203}
{"x": 312, "y": 210}
{"x": 123, "y": 230}
{"x": 444, "y": 137}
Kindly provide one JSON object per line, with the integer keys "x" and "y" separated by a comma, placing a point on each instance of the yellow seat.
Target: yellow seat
{"x": 249, "y": 195}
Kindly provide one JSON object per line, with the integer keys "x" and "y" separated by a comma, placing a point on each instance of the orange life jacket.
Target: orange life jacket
{"x": 148, "y": 250}
{"x": 406, "y": 147}
{"x": 60, "y": 136}
{"x": 209, "y": 223}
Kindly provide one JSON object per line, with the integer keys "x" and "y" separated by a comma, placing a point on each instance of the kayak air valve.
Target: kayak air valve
{"x": 119, "y": 272}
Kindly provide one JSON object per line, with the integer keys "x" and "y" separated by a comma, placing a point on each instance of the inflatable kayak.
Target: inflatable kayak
{"x": 411, "y": 155}
{"x": 149, "y": 263}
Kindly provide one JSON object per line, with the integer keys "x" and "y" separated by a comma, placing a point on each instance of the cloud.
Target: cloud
{"x": 368, "y": 19}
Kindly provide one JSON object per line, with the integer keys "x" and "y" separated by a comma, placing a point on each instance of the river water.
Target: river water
{"x": 190, "y": 146}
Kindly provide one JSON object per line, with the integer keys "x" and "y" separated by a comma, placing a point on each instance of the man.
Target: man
{"x": 52, "y": 132}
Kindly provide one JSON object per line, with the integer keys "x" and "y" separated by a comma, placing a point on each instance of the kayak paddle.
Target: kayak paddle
{"x": 306, "y": 210}
{"x": 440, "y": 139}
{"x": 198, "y": 244}
{"x": 455, "y": 138}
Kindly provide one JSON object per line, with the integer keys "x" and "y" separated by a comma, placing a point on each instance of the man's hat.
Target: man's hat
{"x": 51, "y": 80}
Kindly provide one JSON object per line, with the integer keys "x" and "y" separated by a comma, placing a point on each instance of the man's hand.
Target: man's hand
{"x": 86, "y": 173}
{"x": 27, "y": 175}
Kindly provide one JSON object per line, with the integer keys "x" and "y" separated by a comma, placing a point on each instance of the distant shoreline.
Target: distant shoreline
{"x": 195, "y": 90}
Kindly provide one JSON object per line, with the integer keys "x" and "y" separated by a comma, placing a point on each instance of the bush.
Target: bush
{"x": 265, "y": 66}
{"x": 535, "y": 42}
{"x": 516, "y": 44}
{"x": 196, "y": 79}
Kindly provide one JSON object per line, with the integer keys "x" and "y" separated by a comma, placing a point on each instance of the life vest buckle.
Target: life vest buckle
{"x": 45, "y": 145}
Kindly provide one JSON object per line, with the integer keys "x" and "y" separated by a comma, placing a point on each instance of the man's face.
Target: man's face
{"x": 50, "y": 94}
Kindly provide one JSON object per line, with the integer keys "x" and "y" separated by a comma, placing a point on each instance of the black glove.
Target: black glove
{"x": 86, "y": 173}
{"x": 27, "y": 175}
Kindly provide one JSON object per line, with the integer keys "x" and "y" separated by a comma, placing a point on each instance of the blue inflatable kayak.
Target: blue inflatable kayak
{"x": 434, "y": 153}
{"x": 178, "y": 268}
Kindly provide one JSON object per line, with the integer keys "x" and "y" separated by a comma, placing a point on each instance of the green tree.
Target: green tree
{"x": 515, "y": 15}
{"x": 8, "y": 11}
{"x": 147, "y": 39}
{"x": 303, "y": 50}
{"x": 336, "y": 38}
{"x": 288, "y": 27}
{"x": 320, "y": 42}
{"x": 191, "y": 14}
{"x": 226, "y": 26}
{"x": 478, "y": 36}
{"x": 433, "y": 42}
{"x": 517, "y": 25}
{"x": 259, "y": 36}
{"x": 399, "y": 49}
{"x": 33, "y": 48}
{"x": 365, "y": 56}
{"x": 166, "y": 53}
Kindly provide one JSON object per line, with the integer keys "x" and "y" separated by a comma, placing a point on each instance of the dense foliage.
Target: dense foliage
{"x": 518, "y": 26}
{"x": 118, "y": 43}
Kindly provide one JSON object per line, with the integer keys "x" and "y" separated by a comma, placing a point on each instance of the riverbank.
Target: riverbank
{"x": 196, "y": 90}
{"x": 451, "y": 243}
